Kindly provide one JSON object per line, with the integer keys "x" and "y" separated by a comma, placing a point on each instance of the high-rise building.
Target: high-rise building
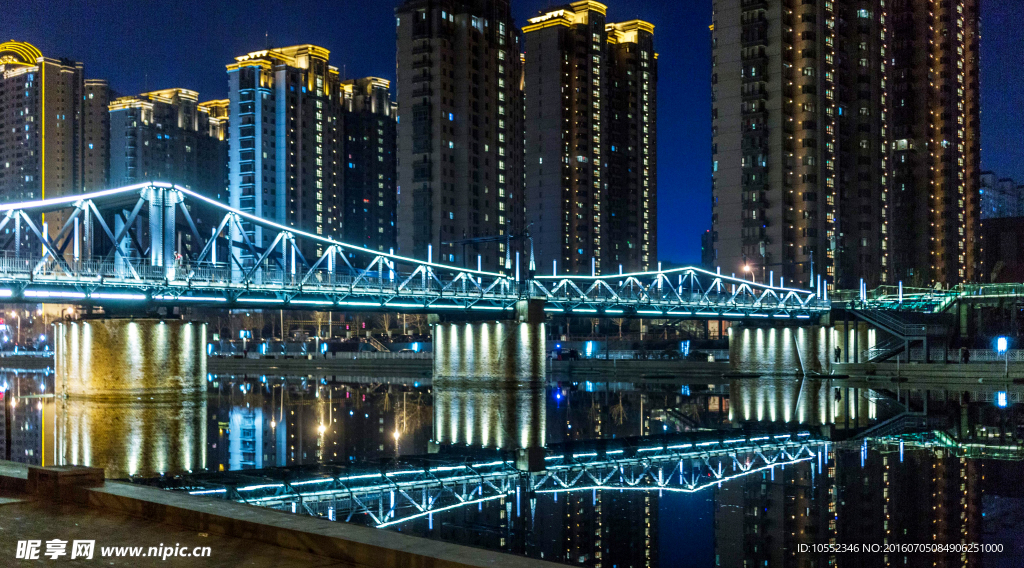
{"x": 591, "y": 159}
{"x": 370, "y": 119}
{"x": 936, "y": 143}
{"x": 53, "y": 128}
{"x": 1000, "y": 197}
{"x": 285, "y": 141}
{"x": 170, "y": 136}
{"x": 844, "y": 140}
{"x": 298, "y": 135}
{"x": 460, "y": 154}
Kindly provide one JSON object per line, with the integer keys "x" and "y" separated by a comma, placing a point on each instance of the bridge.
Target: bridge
{"x": 156, "y": 244}
{"x": 399, "y": 492}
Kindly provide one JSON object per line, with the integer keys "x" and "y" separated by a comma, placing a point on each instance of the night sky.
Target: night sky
{"x": 149, "y": 45}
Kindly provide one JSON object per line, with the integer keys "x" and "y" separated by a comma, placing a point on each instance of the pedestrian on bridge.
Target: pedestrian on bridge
{"x": 838, "y": 352}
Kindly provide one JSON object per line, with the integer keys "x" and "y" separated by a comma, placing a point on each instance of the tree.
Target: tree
{"x": 319, "y": 318}
{"x": 619, "y": 322}
{"x": 385, "y": 321}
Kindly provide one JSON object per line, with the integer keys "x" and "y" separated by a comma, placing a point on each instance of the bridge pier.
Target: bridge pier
{"x": 121, "y": 381}
{"x": 130, "y": 357}
{"x": 489, "y": 388}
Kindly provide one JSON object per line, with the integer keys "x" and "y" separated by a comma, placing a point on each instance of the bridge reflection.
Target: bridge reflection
{"x": 420, "y": 487}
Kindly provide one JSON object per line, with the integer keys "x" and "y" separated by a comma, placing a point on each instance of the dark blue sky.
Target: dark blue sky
{"x": 157, "y": 44}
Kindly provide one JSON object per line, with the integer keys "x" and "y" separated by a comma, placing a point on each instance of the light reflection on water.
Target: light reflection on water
{"x": 491, "y": 394}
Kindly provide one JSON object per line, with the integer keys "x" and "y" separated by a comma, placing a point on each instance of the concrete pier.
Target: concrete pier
{"x": 130, "y": 358}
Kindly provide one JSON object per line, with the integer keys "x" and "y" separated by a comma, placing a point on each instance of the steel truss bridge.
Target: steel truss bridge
{"x": 157, "y": 244}
{"x": 411, "y": 490}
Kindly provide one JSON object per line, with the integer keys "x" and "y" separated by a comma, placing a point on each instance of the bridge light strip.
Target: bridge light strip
{"x": 707, "y": 313}
{"x": 5, "y": 293}
{"x": 560, "y": 310}
{"x": 106, "y": 296}
{"x": 613, "y": 311}
{"x": 650, "y": 312}
{"x": 442, "y": 509}
{"x": 584, "y": 310}
{"x": 758, "y": 315}
{"x": 313, "y": 302}
{"x": 190, "y": 298}
{"x": 49, "y": 294}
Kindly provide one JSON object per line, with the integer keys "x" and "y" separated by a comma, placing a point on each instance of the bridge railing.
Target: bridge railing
{"x": 137, "y": 271}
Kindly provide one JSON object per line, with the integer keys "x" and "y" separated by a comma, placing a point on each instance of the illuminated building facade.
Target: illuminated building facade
{"x": 298, "y": 134}
{"x": 170, "y": 136}
{"x": 460, "y": 138}
{"x": 936, "y": 141}
{"x": 285, "y": 140}
{"x": 591, "y": 150}
{"x": 1000, "y": 197}
{"x": 844, "y": 140}
{"x": 53, "y": 128}
{"x": 370, "y": 119}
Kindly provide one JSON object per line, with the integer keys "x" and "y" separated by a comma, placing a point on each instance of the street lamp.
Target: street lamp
{"x": 1001, "y": 348}
{"x": 17, "y": 314}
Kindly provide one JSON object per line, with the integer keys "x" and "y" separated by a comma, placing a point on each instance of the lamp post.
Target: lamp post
{"x": 1001, "y": 348}
{"x": 17, "y": 314}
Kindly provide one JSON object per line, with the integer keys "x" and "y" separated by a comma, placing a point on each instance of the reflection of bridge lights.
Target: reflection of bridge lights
{"x": 322, "y": 429}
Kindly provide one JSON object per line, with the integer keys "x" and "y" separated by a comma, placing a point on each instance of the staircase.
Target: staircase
{"x": 377, "y": 345}
{"x": 884, "y": 350}
{"x": 900, "y": 424}
{"x": 896, "y": 323}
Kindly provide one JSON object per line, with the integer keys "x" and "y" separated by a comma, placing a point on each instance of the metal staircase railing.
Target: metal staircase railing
{"x": 377, "y": 345}
{"x": 893, "y": 324}
{"x": 884, "y": 350}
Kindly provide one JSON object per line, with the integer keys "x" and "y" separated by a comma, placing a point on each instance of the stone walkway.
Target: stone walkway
{"x": 22, "y": 519}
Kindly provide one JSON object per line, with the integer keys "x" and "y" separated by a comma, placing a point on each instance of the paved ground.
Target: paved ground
{"x": 22, "y": 519}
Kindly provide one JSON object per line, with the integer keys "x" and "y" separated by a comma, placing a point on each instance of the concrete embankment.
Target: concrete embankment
{"x": 628, "y": 369}
{"x": 397, "y": 368}
{"x": 940, "y": 373}
{"x": 233, "y": 529}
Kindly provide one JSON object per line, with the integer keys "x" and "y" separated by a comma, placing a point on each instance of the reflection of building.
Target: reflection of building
{"x": 246, "y": 431}
{"x": 591, "y": 185}
{"x": 928, "y": 496}
{"x": 760, "y": 520}
{"x": 461, "y": 136}
{"x": 25, "y": 424}
{"x": 53, "y": 128}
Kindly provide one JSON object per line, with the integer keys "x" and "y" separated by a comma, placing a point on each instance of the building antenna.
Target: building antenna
{"x": 266, "y": 37}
